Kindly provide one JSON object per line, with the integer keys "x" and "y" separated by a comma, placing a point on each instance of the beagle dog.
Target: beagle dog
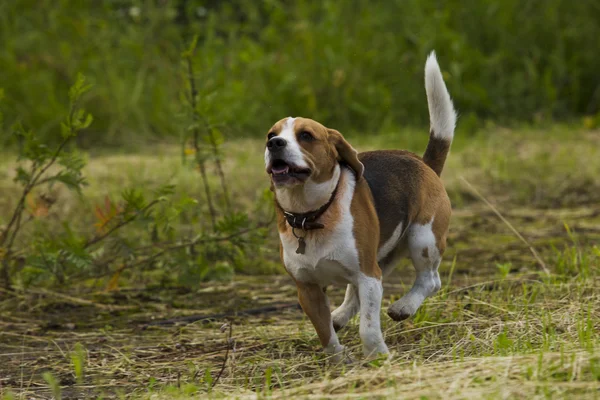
{"x": 346, "y": 218}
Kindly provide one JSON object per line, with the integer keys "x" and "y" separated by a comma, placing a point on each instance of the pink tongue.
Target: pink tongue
{"x": 281, "y": 169}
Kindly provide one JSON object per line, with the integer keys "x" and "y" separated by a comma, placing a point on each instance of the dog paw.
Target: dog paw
{"x": 339, "y": 324}
{"x": 339, "y": 355}
{"x": 378, "y": 351}
{"x": 341, "y": 359}
{"x": 399, "y": 311}
{"x": 339, "y": 319}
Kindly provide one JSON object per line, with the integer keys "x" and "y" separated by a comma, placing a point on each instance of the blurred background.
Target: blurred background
{"x": 354, "y": 65}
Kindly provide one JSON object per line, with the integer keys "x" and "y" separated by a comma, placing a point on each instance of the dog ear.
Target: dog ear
{"x": 346, "y": 152}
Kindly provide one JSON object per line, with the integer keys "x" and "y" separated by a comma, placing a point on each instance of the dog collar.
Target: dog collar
{"x": 307, "y": 221}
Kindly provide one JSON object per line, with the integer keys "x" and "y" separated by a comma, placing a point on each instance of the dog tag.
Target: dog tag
{"x": 301, "y": 246}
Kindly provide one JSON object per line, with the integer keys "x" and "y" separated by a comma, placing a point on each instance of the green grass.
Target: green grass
{"x": 499, "y": 328}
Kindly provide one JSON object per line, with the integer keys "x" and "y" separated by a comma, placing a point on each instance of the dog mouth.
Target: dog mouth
{"x": 283, "y": 172}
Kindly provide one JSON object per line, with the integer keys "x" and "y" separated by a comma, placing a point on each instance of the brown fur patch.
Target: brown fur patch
{"x": 425, "y": 252}
{"x": 394, "y": 177}
{"x": 315, "y": 305}
{"x": 405, "y": 190}
{"x": 366, "y": 229}
{"x": 436, "y": 153}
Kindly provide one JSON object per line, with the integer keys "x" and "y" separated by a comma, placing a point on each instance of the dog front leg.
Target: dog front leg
{"x": 370, "y": 292}
{"x": 315, "y": 304}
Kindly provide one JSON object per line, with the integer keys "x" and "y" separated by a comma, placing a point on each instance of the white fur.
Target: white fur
{"x": 428, "y": 281}
{"x": 293, "y": 152}
{"x": 390, "y": 244}
{"x": 441, "y": 111}
{"x": 370, "y": 292}
{"x": 351, "y": 305}
{"x": 335, "y": 259}
{"x": 311, "y": 196}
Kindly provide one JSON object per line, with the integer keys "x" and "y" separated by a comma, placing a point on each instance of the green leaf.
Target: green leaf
{"x": 65, "y": 130}
{"x": 79, "y": 88}
{"x": 164, "y": 190}
{"x": 53, "y": 384}
{"x": 208, "y": 379}
{"x": 72, "y": 160}
{"x": 134, "y": 199}
{"x": 78, "y": 361}
{"x": 189, "y": 52}
{"x": 23, "y": 177}
{"x": 70, "y": 179}
{"x": 87, "y": 122}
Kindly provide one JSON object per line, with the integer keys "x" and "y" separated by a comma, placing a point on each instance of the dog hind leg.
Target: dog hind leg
{"x": 426, "y": 258}
{"x": 344, "y": 313}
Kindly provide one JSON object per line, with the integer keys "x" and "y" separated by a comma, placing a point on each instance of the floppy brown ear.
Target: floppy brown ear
{"x": 346, "y": 152}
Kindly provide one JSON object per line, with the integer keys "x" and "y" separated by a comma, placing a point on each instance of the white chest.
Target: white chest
{"x": 324, "y": 261}
{"x": 328, "y": 258}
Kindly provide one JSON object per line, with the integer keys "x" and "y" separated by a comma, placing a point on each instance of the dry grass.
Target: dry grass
{"x": 499, "y": 328}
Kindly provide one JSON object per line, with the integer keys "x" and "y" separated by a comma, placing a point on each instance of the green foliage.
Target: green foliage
{"x": 140, "y": 229}
{"x": 208, "y": 380}
{"x": 504, "y": 269}
{"x": 8, "y": 395}
{"x": 355, "y": 65}
{"x": 53, "y": 384}
{"x": 78, "y": 361}
{"x": 576, "y": 260}
{"x": 503, "y": 344}
{"x": 35, "y": 159}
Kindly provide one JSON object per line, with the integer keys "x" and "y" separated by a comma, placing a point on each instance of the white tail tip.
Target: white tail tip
{"x": 441, "y": 111}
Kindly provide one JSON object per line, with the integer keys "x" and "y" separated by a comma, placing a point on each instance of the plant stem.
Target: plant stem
{"x": 217, "y": 156}
{"x": 5, "y": 273}
{"x": 121, "y": 224}
{"x": 14, "y": 226}
{"x": 199, "y": 160}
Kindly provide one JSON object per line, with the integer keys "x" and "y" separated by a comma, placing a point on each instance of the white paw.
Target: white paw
{"x": 338, "y": 354}
{"x": 340, "y": 318}
{"x": 375, "y": 351}
{"x": 404, "y": 308}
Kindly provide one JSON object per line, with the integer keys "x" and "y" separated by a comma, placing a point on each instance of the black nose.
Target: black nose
{"x": 276, "y": 144}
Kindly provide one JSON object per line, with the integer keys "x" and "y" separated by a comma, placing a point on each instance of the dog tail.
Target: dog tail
{"x": 442, "y": 116}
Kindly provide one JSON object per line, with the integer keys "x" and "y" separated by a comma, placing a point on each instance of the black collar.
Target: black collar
{"x": 307, "y": 221}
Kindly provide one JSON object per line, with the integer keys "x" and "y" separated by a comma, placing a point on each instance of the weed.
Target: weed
{"x": 504, "y": 269}
{"x": 53, "y": 384}
{"x": 78, "y": 361}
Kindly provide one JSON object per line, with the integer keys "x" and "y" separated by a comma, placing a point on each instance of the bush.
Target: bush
{"x": 355, "y": 65}
{"x": 141, "y": 230}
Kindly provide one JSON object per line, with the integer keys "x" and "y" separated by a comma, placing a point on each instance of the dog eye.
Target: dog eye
{"x": 271, "y": 135}
{"x": 306, "y": 136}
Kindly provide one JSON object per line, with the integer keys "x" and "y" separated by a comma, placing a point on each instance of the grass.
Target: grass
{"x": 499, "y": 328}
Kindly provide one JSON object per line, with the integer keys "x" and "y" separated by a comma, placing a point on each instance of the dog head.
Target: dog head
{"x": 300, "y": 150}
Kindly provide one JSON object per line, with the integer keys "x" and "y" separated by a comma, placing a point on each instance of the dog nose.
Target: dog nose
{"x": 276, "y": 144}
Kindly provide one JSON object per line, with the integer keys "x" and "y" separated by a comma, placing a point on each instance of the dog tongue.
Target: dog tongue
{"x": 281, "y": 169}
